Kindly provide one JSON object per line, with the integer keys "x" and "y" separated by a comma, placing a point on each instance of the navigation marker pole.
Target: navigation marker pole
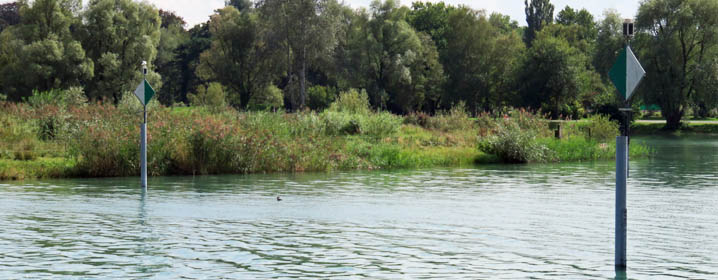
{"x": 625, "y": 74}
{"x": 144, "y": 93}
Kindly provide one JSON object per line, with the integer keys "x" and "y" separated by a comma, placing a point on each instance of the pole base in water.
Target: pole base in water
{"x": 143, "y": 155}
{"x": 621, "y": 212}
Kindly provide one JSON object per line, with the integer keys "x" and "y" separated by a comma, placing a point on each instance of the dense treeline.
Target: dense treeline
{"x": 299, "y": 54}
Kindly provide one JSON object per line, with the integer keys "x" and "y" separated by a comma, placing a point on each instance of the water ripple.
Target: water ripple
{"x": 493, "y": 222}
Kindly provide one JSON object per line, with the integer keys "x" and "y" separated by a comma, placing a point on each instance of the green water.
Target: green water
{"x": 490, "y": 222}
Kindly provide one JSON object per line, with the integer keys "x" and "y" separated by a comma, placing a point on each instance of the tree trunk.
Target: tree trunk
{"x": 303, "y": 81}
{"x": 673, "y": 119}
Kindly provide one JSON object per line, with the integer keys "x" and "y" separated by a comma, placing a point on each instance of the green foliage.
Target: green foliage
{"x": 73, "y": 96}
{"x": 539, "y": 13}
{"x": 212, "y": 96}
{"x": 352, "y": 101}
{"x": 480, "y": 61}
{"x": 610, "y": 40}
{"x": 41, "y": 52}
{"x": 117, "y": 36}
{"x": 432, "y": 19}
{"x": 455, "y": 119}
{"x": 378, "y": 125}
{"x": 397, "y": 66}
{"x": 9, "y": 15}
{"x": 676, "y": 40}
{"x": 511, "y": 144}
{"x": 600, "y": 128}
{"x": 320, "y": 97}
{"x": 550, "y": 74}
{"x": 169, "y": 64}
{"x": 306, "y": 36}
{"x": 578, "y": 149}
{"x": 269, "y": 98}
{"x": 238, "y": 57}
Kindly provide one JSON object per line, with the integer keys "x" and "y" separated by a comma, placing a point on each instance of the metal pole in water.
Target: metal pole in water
{"x": 143, "y": 148}
{"x": 143, "y": 145}
{"x": 144, "y": 93}
{"x": 626, "y": 73}
{"x": 621, "y": 211}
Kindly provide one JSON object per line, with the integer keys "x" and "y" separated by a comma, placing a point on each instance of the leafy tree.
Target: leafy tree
{"x": 609, "y": 42}
{"x": 480, "y": 60}
{"x": 212, "y": 95}
{"x": 677, "y": 44}
{"x": 46, "y": 56}
{"x": 172, "y": 36}
{"x": 9, "y": 14}
{"x": 188, "y": 58}
{"x": 237, "y": 57}
{"x": 169, "y": 19}
{"x": 432, "y": 19}
{"x": 320, "y": 97}
{"x": 550, "y": 74}
{"x": 118, "y": 35}
{"x": 240, "y": 5}
{"x": 539, "y": 13}
{"x": 503, "y": 23}
{"x": 308, "y": 31}
{"x": 397, "y": 66}
{"x": 578, "y": 28}
{"x": 269, "y": 98}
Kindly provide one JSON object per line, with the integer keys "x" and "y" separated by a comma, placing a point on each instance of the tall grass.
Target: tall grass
{"x": 522, "y": 137}
{"x": 58, "y": 140}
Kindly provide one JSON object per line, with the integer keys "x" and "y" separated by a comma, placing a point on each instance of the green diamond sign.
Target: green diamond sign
{"x": 626, "y": 73}
{"x": 144, "y": 92}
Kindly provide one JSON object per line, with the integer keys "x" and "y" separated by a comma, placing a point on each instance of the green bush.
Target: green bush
{"x": 375, "y": 125}
{"x": 511, "y": 144}
{"x": 320, "y": 97}
{"x": 417, "y": 118}
{"x": 601, "y": 128}
{"x": 351, "y": 101}
{"x": 337, "y": 123}
{"x": 455, "y": 119}
{"x": 527, "y": 120}
{"x": 382, "y": 124}
{"x": 212, "y": 96}
{"x": 74, "y": 96}
{"x": 274, "y": 122}
{"x": 43, "y": 98}
{"x": 269, "y": 98}
{"x": 306, "y": 123}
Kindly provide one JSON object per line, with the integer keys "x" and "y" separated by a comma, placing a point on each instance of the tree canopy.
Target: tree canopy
{"x": 420, "y": 57}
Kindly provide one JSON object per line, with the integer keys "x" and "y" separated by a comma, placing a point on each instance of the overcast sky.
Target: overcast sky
{"x": 196, "y": 11}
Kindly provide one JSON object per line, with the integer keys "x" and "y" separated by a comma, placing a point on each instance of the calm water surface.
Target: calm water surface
{"x": 490, "y": 222}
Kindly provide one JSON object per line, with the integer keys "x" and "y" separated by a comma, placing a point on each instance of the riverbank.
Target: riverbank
{"x": 51, "y": 141}
{"x": 650, "y": 127}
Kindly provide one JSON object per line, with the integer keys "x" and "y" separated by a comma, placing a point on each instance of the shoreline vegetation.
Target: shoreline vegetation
{"x": 43, "y": 140}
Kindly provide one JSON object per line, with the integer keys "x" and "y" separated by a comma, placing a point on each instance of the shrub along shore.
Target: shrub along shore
{"x": 41, "y": 140}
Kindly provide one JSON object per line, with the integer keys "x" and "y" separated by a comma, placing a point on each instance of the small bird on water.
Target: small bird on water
{"x": 279, "y": 198}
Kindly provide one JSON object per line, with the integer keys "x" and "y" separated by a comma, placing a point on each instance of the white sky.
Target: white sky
{"x": 197, "y": 11}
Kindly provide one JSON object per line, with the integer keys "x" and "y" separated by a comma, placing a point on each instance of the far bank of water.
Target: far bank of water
{"x": 488, "y": 222}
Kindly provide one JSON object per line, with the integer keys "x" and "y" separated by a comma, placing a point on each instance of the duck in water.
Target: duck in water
{"x": 279, "y": 198}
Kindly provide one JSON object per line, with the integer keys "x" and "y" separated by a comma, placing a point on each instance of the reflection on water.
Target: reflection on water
{"x": 490, "y": 222}
{"x": 620, "y": 275}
